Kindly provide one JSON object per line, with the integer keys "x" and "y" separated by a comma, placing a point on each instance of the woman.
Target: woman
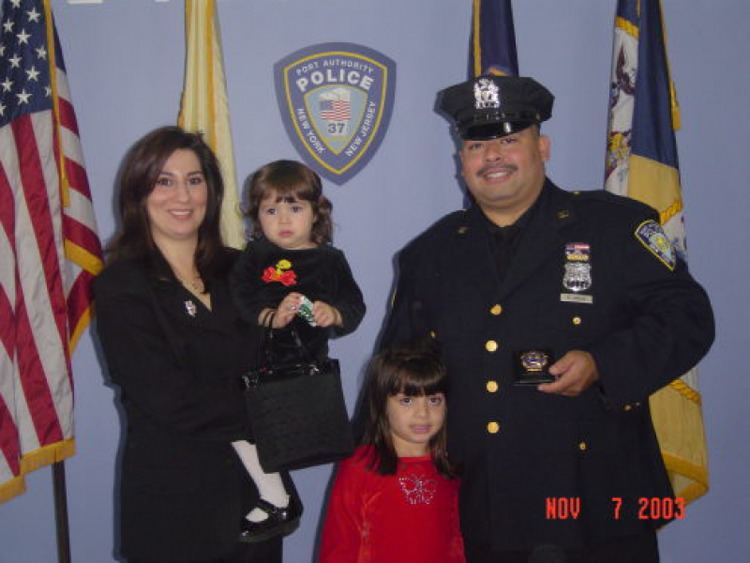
{"x": 176, "y": 347}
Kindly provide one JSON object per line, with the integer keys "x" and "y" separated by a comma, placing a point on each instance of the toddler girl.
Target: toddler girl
{"x": 290, "y": 275}
{"x": 396, "y": 499}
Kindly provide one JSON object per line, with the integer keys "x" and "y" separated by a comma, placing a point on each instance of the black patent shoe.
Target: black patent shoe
{"x": 280, "y": 521}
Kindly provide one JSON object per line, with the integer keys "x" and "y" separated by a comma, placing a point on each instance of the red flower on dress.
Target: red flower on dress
{"x": 281, "y": 273}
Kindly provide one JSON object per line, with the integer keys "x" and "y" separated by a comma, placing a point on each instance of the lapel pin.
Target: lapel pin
{"x": 190, "y": 308}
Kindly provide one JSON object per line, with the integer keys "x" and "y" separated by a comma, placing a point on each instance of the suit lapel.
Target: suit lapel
{"x": 223, "y": 315}
{"x": 182, "y": 307}
{"x": 178, "y": 304}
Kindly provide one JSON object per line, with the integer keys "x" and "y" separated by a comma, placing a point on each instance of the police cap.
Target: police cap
{"x": 488, "y": 106}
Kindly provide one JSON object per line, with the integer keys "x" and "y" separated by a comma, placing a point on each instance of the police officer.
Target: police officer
{"x": 532, "y": 284}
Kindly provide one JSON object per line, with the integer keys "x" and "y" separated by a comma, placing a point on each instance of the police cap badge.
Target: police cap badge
{"x": 488, "y": 107}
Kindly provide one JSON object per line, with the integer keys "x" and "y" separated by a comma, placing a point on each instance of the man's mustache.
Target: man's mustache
{"x": 496, "y": 168}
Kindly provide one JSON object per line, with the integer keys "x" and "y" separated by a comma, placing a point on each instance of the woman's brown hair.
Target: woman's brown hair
{"x": 137, "y": 178}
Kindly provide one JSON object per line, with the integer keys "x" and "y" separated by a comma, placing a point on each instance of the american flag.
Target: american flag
{"x": 49, "y": 248}
{"x": 335, "y": 110}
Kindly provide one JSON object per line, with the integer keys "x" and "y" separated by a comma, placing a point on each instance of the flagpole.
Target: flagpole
{"x": 61, "y": 512}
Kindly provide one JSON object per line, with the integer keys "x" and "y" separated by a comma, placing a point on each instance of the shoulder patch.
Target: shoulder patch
{"x": 650, "y": 234}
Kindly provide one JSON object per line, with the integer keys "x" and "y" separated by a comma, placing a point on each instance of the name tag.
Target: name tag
{"x": 576, "y": 298}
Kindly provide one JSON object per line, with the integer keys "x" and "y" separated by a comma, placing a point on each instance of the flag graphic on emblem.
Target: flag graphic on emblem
{"x": 336, "y": 105}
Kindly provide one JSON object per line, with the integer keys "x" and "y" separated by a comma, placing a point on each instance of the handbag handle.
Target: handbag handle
{"x": 267, "y": 345}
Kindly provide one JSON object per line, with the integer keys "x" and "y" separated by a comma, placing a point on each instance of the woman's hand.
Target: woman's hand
{"x": 325, "y": 315}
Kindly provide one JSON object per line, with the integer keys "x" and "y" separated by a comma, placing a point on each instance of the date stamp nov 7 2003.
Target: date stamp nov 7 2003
{"x": 648, "y": 508}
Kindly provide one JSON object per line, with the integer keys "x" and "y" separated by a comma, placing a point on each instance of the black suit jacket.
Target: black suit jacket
{"x": 178, "y": 366}
{"x": 645, "y": 326}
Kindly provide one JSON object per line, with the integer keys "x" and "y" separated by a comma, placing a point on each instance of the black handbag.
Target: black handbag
{"x": 296, "y": 408}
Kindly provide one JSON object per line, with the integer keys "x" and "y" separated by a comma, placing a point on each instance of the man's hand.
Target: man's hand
{"x": 576, "y": 371}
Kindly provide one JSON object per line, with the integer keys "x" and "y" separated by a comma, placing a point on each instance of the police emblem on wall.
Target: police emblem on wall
{"x": 336, "y": 101}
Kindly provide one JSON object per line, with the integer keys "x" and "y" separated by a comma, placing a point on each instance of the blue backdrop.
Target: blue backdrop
{"x": 125, "y": 62}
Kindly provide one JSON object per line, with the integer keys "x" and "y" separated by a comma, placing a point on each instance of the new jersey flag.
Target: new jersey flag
{"x": 204, "y": 106}
{"x": 642, "y": 163}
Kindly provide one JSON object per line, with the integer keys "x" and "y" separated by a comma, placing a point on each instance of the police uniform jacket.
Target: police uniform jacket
{"x": 177, "y": 364}
{"x": 644, "y": 320}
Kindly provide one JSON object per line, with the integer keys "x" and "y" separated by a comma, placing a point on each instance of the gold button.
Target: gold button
{"x": 496, "y": 310}
{"x": 576, "y": 320}
{"x": 433, "y": 334}
{"x": 490, "y": 345}
{"x": 582, "y": 446}
{"x": 626, "y": 408}
{"x": 492, "y": 386}
{"x": 493, "y": 427}
{"x": 462, "y": 230}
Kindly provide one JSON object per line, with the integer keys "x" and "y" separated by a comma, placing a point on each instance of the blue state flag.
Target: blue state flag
{"x": 493, "y": 39}
{"x": 642, "y": 163}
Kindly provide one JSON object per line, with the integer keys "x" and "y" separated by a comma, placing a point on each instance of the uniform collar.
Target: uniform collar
{"x": 541, "y": 227}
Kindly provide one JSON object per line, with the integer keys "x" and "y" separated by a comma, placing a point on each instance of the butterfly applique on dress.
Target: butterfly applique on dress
{"x": 418, "y": 489}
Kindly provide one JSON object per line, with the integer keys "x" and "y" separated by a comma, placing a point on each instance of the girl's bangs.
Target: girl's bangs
{"x": 293, "y": 191}
{"x": 418, "y": 382}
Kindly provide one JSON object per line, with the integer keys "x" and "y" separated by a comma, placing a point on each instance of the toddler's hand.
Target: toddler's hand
{"x": 325, "y": 315}
{"x": 286, "y": 310}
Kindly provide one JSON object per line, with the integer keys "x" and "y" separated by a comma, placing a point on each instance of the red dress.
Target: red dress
{"x": 409, "y": 517}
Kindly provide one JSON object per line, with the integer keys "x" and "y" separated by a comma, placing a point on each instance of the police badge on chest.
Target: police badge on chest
{"x": 577, "y": 273}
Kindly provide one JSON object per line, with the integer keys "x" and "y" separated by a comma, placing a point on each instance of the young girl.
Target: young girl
{"x": 396, "y": 499}
{"x": 290, "y": 276}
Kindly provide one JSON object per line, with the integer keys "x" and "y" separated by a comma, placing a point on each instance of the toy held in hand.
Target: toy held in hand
{"x": 305, "y": 310}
